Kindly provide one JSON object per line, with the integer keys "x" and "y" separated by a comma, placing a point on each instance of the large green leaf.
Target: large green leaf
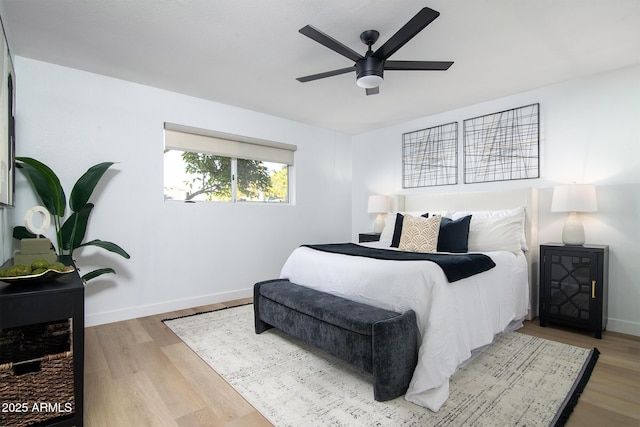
{"x": 84, "y": 187}
{"x": 74, "y": 228}
{"x": 95, "y": 273}
{"x": 46, "y": 184}
{"x": 110, "y": 246}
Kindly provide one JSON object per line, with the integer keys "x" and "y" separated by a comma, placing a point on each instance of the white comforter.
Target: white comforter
{"x": 453, "y": 318}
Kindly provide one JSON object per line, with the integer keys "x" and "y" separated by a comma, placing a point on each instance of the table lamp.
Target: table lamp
{"x": 574, "y": 198}
{"x": 379, "y": 205}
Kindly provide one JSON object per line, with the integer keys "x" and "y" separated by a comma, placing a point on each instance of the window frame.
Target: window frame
{"x": 189, "y": 139}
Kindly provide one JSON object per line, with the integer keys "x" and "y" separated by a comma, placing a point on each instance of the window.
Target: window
{"x": 202, "y": 165}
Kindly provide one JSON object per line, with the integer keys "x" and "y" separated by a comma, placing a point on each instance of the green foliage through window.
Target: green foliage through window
{"x": 192, "y": 176}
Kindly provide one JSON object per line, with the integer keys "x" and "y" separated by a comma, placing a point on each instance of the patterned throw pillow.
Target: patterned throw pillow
{"x": 419, "y": 234}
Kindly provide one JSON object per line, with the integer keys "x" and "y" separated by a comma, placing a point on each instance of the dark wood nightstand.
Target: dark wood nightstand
{"x": 368, "y": 237}
{"x": 44, "y": 302}
{"x": 574, "y": 286}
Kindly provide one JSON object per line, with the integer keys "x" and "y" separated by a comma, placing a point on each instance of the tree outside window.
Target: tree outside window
{"x": 193, "y": 176}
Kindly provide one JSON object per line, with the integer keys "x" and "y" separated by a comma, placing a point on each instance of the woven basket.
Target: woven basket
{"x": 37, "y": 390}
{"x": 34, "y": 341}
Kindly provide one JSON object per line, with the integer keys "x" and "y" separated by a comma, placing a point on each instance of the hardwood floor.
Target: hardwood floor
{"x": 138, "y": 373}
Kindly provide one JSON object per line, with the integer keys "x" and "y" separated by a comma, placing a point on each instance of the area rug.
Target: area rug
{"x": 519, "y": 380}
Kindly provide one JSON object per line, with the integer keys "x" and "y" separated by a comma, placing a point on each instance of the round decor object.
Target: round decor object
{"x": 46, "y": 220}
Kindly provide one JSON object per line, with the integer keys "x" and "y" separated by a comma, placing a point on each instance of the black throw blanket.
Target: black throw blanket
{"x": 455, "y": 266}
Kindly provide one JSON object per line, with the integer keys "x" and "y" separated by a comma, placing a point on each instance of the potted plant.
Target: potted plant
{"x": 70, "y": 232}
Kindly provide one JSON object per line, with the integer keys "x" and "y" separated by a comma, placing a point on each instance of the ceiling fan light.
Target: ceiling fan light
{"x": 370, "y": 81}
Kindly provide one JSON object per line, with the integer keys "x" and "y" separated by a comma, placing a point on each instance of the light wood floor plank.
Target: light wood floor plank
{"x": 223, "y": 401}
{"x": 102, "y": 409}
{"x": 138, "y": 373}
{"x": 139, "y": 400}
{"x": 203, "y": 417}
{"x": 94, "y": 359}
{"x": 166, "y": 379}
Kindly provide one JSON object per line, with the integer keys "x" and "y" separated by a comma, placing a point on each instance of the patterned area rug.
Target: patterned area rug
{"x": 520, "y": 380}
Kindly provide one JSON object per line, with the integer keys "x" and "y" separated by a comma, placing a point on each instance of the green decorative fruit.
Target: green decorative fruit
{"x": 19, "y": 270}
{"x": 40, "y": 263}
{"x": 58, "y": 266}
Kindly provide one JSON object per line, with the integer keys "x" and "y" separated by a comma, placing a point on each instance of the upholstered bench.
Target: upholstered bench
{"x": 377, "y": 341}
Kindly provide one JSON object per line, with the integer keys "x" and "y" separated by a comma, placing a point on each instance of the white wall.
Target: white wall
{"x": 590, "y": 133}
{"x": 189, "y": 254}
{"x": 182, "y": 255}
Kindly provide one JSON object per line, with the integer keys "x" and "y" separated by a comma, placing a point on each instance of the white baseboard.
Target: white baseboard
{"x": 95, "y": 319}
{"x": 623, "y": 326}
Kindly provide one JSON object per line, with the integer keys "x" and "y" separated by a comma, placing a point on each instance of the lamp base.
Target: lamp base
{"x": 378, "y": 226}
{"x": 573, "y": 231}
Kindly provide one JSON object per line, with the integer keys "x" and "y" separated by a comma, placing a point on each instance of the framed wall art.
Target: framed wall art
{"x": 430, "y": 156}
{"x": 502, "y": 146}
{"x": 7, "y": 126}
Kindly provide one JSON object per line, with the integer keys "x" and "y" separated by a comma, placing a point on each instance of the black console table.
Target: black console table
{"x": 23, "y": 304}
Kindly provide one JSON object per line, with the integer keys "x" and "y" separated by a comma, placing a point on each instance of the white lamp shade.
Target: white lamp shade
{"x": 379, "y": 204}
{"x": 574, "y": 198}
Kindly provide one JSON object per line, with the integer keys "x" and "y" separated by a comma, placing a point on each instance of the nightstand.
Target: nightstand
{"x": 574, "y": 286}
{"x": 368, "y": 237}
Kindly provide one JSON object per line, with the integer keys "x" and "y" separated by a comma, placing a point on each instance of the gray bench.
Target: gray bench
{"x": 377, "y": 341}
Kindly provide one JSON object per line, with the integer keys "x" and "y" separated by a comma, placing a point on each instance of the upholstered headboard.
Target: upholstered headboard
{"x": 488, "y": 200}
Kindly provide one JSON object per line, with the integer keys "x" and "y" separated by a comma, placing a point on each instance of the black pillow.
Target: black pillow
{"x": 454, "y": 235}
{"x": 397, "y": 230}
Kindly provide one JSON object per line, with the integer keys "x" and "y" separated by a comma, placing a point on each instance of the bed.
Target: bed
{"x": 454, "y": 318}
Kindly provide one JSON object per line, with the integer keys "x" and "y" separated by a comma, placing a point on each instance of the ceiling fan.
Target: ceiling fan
{"x": 370, "y": 67}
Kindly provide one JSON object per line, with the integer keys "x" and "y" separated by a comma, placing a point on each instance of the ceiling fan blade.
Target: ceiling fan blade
{"x": 418, "y": 65}
{"x": 373, "y": 90}
{"x": 325, "y": 74}
{"x": 330, "y": 42}
{"x": 406, "y": 33}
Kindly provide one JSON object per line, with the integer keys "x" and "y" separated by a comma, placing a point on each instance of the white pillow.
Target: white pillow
{"x": 389, "y": 226}
{"x": 496, "y": 233}
{"x": 476, "y": 215}
{"x": 420, "y": 234}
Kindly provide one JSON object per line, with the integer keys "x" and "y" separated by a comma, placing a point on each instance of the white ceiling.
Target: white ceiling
{"x": 247, "y": 53}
